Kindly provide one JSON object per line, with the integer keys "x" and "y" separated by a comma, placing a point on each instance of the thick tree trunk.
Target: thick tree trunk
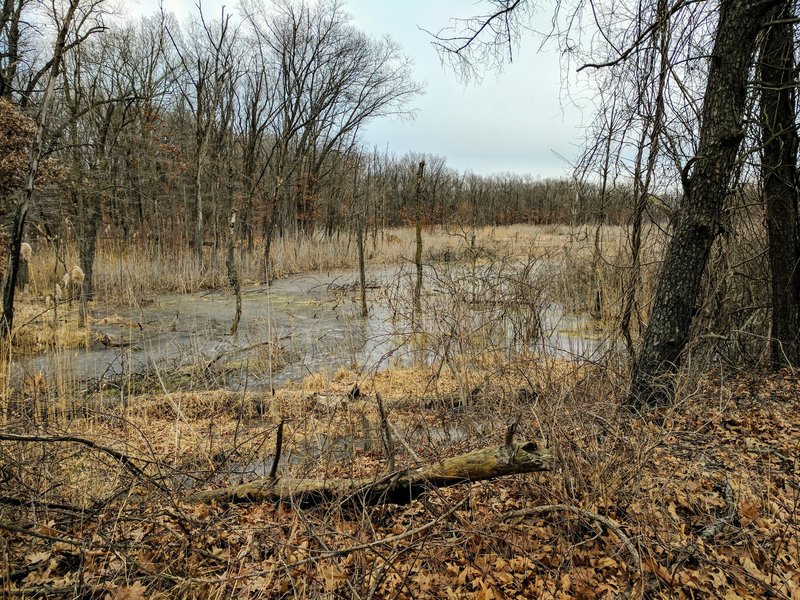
{"x": 779, "y": 170}
{"x": 399, "y": 488}
{"x": 698, "y": 223}
{"x": 88, "y": 224}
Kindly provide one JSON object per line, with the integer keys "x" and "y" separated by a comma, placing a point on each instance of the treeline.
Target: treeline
{"x": 160, "y": 130}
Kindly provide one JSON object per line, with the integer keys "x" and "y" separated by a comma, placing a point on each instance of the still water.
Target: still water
{"x": 299, "y": 325}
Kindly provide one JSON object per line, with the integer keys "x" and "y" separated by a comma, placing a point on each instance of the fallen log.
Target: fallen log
{"x": 398, "y": 488}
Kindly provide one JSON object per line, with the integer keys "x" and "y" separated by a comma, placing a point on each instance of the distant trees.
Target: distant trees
{"x": 206, "y": 67}
{"x": 329, "y": 80}
{"x": 165, "y": 130}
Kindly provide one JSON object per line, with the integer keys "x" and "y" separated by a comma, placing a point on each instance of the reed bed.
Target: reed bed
{"x": 127, "y": 273}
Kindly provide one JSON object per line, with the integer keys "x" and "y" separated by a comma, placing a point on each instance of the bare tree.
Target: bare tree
{"x": 206, "y": 60}
{"x": 65, "y": 25}
{"x": 705, "y": 192}
{"x": 331, "y": 79}
{"x": 701, "y": 87}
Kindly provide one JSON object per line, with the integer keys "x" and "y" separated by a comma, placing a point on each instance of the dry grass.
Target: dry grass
{"x": 129, "y": 274}
{"x": 39, "y": 327}
{"x": 702, "y": 497}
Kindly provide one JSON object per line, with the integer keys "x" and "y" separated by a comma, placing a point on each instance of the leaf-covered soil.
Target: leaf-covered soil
{"x": 700, "y": 500}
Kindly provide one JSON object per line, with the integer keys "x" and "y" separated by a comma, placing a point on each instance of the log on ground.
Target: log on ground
{"x": 398, "y": 488}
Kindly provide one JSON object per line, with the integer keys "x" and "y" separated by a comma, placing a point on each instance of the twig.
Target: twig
{"x": 273, "y": 472}
{"x": 126, "y": 460}
{"x": 405, "y": 444}
{"x": 12, "y": 501}
{"x": 386, "y": 436}
{"x": 42, "y": 536}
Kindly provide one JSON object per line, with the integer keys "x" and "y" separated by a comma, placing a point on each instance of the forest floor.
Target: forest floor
{"x": 699, "y": 500}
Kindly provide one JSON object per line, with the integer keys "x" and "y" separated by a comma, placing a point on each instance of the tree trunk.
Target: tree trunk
{"x": 269, "y": 228}
{"x": 88, "y": 223}
{"x": 201, "y": 135}
{"x": 779, "y": 171}
{"x": 7, "y": 319}
{"x": 418, "y": 253}
{"x": 233, "y": 276}
{"x": 11, "y": 16}
{"x": 399, "y": 488}
{"x": 362, "y": 273}
{"x": 698, "y": 222}
{"x": 361, "y": 224}
{"x": 88, "y": 248}
{"x": 198, "y": 211}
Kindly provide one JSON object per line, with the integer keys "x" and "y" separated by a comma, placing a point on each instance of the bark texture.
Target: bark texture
{"x": 779, "y": 171}
{"x": 705, "y": 191}
{"x": 418, "y": 250}
{"x": 399, "y": 488}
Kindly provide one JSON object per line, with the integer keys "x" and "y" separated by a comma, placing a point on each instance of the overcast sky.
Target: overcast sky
{"x": 515, "y": 121}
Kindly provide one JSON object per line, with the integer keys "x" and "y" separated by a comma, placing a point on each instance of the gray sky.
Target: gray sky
{"x": 514, "y": 121}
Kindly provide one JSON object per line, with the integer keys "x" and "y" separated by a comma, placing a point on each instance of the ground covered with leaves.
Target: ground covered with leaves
{"x": 700, "y": 500}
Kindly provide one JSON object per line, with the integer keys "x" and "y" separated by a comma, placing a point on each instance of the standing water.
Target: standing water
{"x": 297, "y": 326}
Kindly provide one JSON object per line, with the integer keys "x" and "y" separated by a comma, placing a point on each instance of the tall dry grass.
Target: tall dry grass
{"x": 486, "y": 293}
{"x": 128, "y": 273}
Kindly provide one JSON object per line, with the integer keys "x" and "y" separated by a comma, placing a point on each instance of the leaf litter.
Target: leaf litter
{"x": 705, "y": 494}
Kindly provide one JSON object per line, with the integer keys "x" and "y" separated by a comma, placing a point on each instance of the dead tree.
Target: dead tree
{"x": 398, "y": 488}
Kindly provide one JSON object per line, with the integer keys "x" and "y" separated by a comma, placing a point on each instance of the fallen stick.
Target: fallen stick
{"x": 122, "y": 458}
{"x": 399, "y": 488}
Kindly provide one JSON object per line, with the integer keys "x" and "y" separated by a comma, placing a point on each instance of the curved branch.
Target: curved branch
{"x": 124, "y": 459}
{"x": 467, "y": 40}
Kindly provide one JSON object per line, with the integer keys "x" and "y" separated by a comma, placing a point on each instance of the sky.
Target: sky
{"x": 520, "y": 120}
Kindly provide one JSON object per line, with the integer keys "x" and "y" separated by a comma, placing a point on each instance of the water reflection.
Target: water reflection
{"x": 303, "y": 324}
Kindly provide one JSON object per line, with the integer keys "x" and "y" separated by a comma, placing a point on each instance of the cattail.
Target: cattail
{"x": 66, "y": 279}
{"x": 77, "y": 275}
{"x": 26, "y": 251}
{"x": 58, "y": 292}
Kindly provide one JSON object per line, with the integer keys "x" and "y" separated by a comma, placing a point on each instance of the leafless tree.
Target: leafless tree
{"x": 331, "y": 79}
{"x": 206, "y": 54}
{"x": 66, "y": 25}
{"x": 689, "y": 122}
